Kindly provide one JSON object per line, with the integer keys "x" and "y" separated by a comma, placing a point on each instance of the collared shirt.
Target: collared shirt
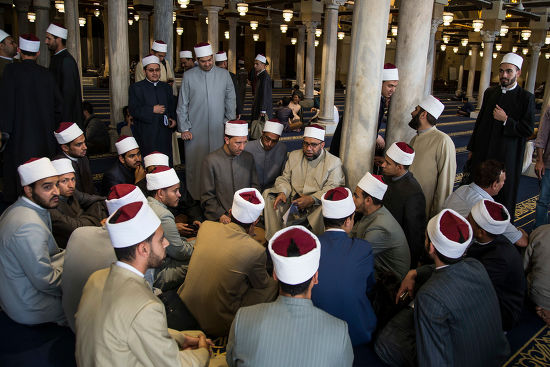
{"x": 397, "y": 178}
{"x": 60, "y": 51}
{"x": 425, "y": 130}
{"x": 71, "y": 158}
{"x": 129, "y": 267}
{"x": 504, "y": 90}
{"x": 32, "y": 202}
{"x": 154, "y": 83}
{"x": 334, "y": 230}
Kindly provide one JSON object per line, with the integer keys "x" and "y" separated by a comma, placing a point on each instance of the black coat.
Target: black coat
{"x": 491, "y": 140}
{"x": 98, "y": 140}
{"x": 31, "y": 111}
{"x": 237, "y": 94}
{"x": 149, "y": 129}
{"x": 263, "y": 100}
{"x": 83, "y": 174}
{"x": 406, "y": 202}
{"x": 117, "y": 174}
{"x": 504, "y": 266}
{"x": 67, "y": 77}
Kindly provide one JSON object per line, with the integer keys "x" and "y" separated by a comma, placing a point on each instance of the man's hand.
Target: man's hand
{"x": 524, "y": 240}
{"x": 378, "y": 160}
{"x": 499, "y": 114}
{"x": 380, "y": 143}
{"x": 304, "y": 202}
{"x": 539, "y": 168}
{"x": 192, "y": 342}
{"x": 225, "y": 219}
{"x": 159, "y": 109}
{"x": 172, "y": 123}
{"x": 139, "y": 174}
{"x": 280, "y": 198}
{"x": 186, "y": 135}
{"x": 185, "y": 230}
{"x": 407, "y": 285}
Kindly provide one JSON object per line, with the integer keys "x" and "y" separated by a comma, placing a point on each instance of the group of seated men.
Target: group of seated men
{"x": 435, "y": 292}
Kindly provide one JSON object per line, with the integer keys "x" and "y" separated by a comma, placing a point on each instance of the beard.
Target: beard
{"x": 415, "y": 122}
{"x": 52, "y": 203}
{"x": 507, "y": 82}
{"x": 314, "y": 156}
{"x": 154, "y": 260}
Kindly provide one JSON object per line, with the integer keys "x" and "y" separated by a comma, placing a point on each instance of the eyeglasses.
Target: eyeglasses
{"x": 267, "y": 139}
{"x": 153, "y": 70}
{"x": 305, "y": 144}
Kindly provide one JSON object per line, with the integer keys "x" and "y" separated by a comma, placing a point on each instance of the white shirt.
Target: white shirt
{"x": 129, "y": 267}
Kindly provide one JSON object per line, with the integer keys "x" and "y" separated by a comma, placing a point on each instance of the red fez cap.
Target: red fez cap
{"x": 336, "y": 194}
{"x": 292, "y": 241}
{"x": 250, "y": 196}
{"x": 237, "y": 122}
{"x": 379, "y": 178}
{"x": 160, "y": 41}
{"x": 454, "y": 228}
{"x": 202, "y": 44}
{"x": 126, "y": 212}
{"x": 405, "y": 147}
{"x": 159, "y": 169}
{"x": 29, "y": 37}
{"x": 495, "y": 210}
{"x": 120, "y": 190}
{"x": 32, "y": 160}
{"x": 122, "y": 137}
{"x": 389, "y": 65}
{"x": 63, "y": 126}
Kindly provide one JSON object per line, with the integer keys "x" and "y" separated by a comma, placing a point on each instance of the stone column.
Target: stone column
{"x": 42, "y": 9}
{"x": 22, "y": 8}
{"x": 460, "y": 76}
{"x": 177, "y": 64}
{"x": 164, "y": 28}
{"x": 275, "y": 49}
{"x": 431, "y": 57}
{"x": 73, "y": 30}
{"x": 411, "y": 57}
{"x": 144, "y": 45}
{"x": 232, "y": 51}
{"x": 472, "y": 74}
{"x": 488, "y": 38}
{"x": 119, "y": 57}
{"x": 213, "y": 26}
{"x": 89, "y": 41}
{"x": 533, "y": 65}
{"x": 300, "y": 55}
{"x": 310, "y": 61}
{"x": 328, "y": 73}
{"x": 106, "y": 38}
{"x": 366, "y": 62}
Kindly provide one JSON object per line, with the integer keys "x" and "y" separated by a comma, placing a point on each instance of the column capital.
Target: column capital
{"x": 143, "y": 10}
{"x": 311, "y": 26}
{"x": 22, "y": 5}
{"x": 334, "y": 4}
{"x": 232, "y": 21}
{"x": 41, "y": 4}
{"x": 213, "y": 8}
{"x": 488, "y": 36}
{"x": 536, "y": 46}
{"x": 436, "y": 22}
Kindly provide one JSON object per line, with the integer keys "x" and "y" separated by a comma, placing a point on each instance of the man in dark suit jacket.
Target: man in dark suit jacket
{"x": 499, "y": 257}
{"x": 404, "y": 198}
{"x": 127, "y": 169}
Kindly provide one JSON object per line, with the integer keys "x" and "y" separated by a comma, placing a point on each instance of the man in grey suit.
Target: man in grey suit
{"x": 290, "y": 331}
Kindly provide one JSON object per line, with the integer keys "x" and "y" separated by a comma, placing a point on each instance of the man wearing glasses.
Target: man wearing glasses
{"x": 307, "y": 175}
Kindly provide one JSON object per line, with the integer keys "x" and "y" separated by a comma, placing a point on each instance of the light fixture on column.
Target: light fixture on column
{"x": 515, "y": 49}
{"x": 477, "y": 24}
{"x": 255, "y": 37}
{"x": 136, "y": 17}
{"x": 525, "y": 51}
{"x": 226, "y": 34}
{"x": 318, "y": 32}
{"x": 447, "y": 18}
{"x": 206, "y": 20}
{"x": 480, "y": 53}
{"x": 464, "y": 42}
{"x": 316, "y": 43}
{"x": 469, "y": 52}
{"x": 455, "y": 49}
{"x": 547, "y": 39}
{"x": 498, "y": 46}
{"x": 482, "y": 45}
{"x": 82, "y": 21}
{"x": 341, "y": 35}
{"x": 293, "y": 40}
{"x": 183, "y": 3}
{"x": 394, "y": 30}
{"x": 254, "y": 24}
{"x": 388, "y": 41}
{"x": 494, "y": 55}
{"x": 60, "y": 6}
{"x": 284, "y": 28}
{"x": 242, "y": 8}
{"x": 31, "y": 17}
{"x": 179, "y": 31}
{"x": 547, "y": 55}
{"x": 97, "y": 13}
{"x": 443, "y": 47}
{"x": 446, "y": 38}
{"x": 174, "y": 17}
{"x": 503, "y": 30}
{"x": 287, "y": 15}
{"x": 130, "y": 21}
{"x": 525, "y": 34}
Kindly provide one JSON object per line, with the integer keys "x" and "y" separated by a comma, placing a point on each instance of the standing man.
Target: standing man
{"x": 186, "y": 60}
{"x": 31, "y": 264}
{"x": 206, "y": 102}
{"x": 72, "y": 142}
{"x": 263, "y": 100}
{"x": 221, "y": 62}
{"x": 127, "y": 169}
{"x": 8, "y": 49}
{"x": 31, "y": 109}
{"x": 542, "y": 169}
{"x": 404, "y": 198}
{"x": 435, "y": 156}
{"x": 226, "y": 171}
{"x": 269, "y": 155}
{"x": 151, "y": 103}
{"x": 65, "y": 70}
{"x": 504, "y": 122}
{"x": 159, "y": 49}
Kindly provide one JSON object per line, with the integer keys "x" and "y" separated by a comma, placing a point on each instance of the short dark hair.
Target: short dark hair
{"x": 245, "y": 226}
{"x": 295, "y": 289}
{"x": 28, "y": 53}
{"x": 375, "y": 201}
{"x": 443, "y": 258}
{"x": 335, "y": 223}
{"x": 286, "y": 101}
{"x": 63, "y": 41}
{"x": 488, "y": 172}
{"x": 218, "y": 63}
{"x": 87, "y": 106}
{"x": 128, "y": 253}
{"x": 432, "y": 120}
{"x": 295, "y": 93}
{"x": 152, "y": 193}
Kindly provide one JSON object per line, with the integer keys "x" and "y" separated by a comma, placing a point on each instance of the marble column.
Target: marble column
{"x": 411, "y": 57}
{"x": 144, "y": 45}
{"x": 300, "y": 55}
{"x": 106, "y": 37}
{"x": 488, "y": 38}
{"x": 310, "y": 60}
{"x": 89, "y": 41}
{"x": 213, "y": 26}
{"x": 431, "y": 57}
{"x": 164, "y": 28}
{"x": 533, "y": 65}
{"x": 472, "y": 73}
{"x": 22, "y": 8}
{"x": 119, "y": 79}
{"x": 73, "y": 32}
{"x": 177, "y": 64}
{"x": 42, "y": 9}
{"x": 232, "y": 50}
{"x": 366, "y": 62}
{"x": 460, "y": 76}
{"x": 275, "y": 49}
{"x": 328, "y": 73}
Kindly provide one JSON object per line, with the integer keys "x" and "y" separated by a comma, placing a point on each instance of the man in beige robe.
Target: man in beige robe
{"x": 307, "y": 175}
{"x": 228, "y": 267}
{"x": 434, "y": 165}
{"x": 159, "y": 49}
{"x": 120, "y": 322}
